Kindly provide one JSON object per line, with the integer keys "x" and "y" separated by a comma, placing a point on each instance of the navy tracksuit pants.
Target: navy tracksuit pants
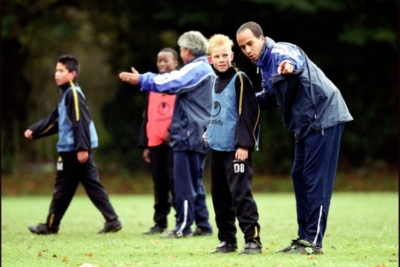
{"x": 313, "y": 174}
{"x": 190, "y": 193}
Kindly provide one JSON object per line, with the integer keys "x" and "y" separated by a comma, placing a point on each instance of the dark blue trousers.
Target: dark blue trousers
{"x": 190, "y": 193}
{"x": 313, "y": 174}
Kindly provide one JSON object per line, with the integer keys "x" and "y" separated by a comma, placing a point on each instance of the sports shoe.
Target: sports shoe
{"x": 41, "y": 229}
{"x": 224, "y": 247}
{"x": 155, "y": 230}
{"x": 295, "y": 242}
{"x": 111, "y": 227}
{"x": 305, "y": 247}
{"x": 201, "y": 232}
{"x": 251, "y": 248}
{"x": 173, "y": 234}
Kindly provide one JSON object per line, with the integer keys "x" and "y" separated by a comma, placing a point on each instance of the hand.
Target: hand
{"x": 146, "y": 155}
{"x": 29, "y": 134}
{"x": 167, "y": 138}
{"x": 242, "y": 154}
{"x": 83, "y": 156}
{"x": 204, "y": 137}
{"x": 285, "y": 67}
{"x": 132, "y": 78}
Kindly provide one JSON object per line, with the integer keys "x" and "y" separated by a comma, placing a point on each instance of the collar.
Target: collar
{"x": 229, "y": 72}
{"x": 197, "y": 58}
{"x": 266, "y": 49}
{"x": 67, "y": 85}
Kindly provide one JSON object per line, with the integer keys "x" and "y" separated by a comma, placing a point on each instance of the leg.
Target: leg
{"x": 67, "y": 181}
{"x": 200, "y": 206}
{"x": 240, "y": 175}
{"x": 300, "y": 189}
{"x": 184, "y": 192}
{"x": 222, "y": 198}
{"x": 159, "y": 169}
{"x": 322, "y": 154}
{"x": 95, "y": 190}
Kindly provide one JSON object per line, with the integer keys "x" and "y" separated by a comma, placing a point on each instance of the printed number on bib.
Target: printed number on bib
{"x": 238, "y": 167}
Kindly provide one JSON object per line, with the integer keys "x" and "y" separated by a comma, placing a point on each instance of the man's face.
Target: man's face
{"x": 221, "y": 57}
{"x": 62, "y": 74}
{"x": 249, "y": 44}
{"x": 185, "y": 55}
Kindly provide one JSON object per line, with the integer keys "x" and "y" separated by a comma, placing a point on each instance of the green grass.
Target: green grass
{"x": 362, "y": 231}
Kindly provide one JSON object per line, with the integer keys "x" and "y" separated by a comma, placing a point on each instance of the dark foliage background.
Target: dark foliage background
{"x": 354, "y": 42}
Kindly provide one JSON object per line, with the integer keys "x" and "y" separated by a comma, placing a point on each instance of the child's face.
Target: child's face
{"x": 166, "y": 62}
{"x": 221, "y": 58}
{"x": 62, "y": 74}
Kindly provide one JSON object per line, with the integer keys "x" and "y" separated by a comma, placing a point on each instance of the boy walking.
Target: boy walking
{"x": 231, "y": 136}
{"x": 154, "y": 139}
{"x": 77, "y": 138}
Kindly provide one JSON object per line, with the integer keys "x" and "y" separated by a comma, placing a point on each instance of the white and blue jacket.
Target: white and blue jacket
{"x": 192, "y": 84}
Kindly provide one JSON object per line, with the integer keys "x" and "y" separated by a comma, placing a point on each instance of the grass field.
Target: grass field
{"x": 363, "y": 230}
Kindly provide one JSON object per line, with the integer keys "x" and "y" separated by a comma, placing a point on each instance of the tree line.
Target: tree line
{"x": 354, "y": 43}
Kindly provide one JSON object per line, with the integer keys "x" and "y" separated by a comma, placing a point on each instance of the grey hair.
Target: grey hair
{"x": 195, "y": 42}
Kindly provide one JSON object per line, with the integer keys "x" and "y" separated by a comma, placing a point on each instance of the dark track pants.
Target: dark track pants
{"x": 161, "y": 163}
{"x": 190, "y": 192}
{"x": 313, "y": 174}
{"x": 70, "y": 173}
{"x": 232, "y": 198}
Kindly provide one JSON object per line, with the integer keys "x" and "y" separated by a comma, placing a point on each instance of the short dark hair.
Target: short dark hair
{"x": 253, "y": 27}
{"x": 70, "y": 62}
{"x": 172, "y": 51}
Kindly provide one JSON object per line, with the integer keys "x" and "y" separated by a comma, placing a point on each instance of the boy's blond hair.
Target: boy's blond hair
{"x": 219, "y": 40}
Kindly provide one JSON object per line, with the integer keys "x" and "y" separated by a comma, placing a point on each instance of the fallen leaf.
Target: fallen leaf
{"x": 65, "y": 259}
{"x": 89, "y": 255}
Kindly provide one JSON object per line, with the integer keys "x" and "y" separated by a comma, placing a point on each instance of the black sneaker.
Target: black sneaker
{"x": 224, "y": 247}
{"x": 295, "y": 242}
{"x": 173, "y": 234}
{"x": 251, "y": 248}
{"x": 155, "y": 230}
{"x": 111, "y": 227}
{"x": 201, "y": 232}
{"x": 305, "y": 247}
{"x": 41, "y": 229}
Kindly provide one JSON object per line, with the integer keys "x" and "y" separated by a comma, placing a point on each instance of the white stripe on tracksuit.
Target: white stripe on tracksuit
{"x": 185, "y": 212}
{"x": 318, "y": 227}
